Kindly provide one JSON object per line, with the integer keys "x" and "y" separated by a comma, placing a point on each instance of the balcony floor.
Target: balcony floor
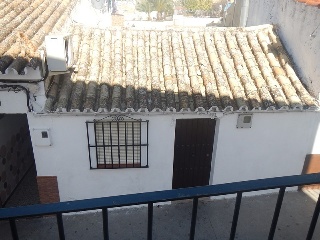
{"x": 172, "y": 221}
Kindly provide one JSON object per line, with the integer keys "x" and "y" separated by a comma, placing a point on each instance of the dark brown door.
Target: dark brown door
{"x": 193, "y": 152}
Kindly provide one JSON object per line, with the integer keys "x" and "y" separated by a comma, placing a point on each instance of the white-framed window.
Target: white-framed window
{"x": 117, "y": 143}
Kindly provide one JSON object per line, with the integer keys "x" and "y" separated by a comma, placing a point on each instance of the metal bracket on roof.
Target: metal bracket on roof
{"x": 228, "y": 109}
{"x": 145, "y": 110}
{"x": 313, "y": 108}
{"x": 129, "y": 110}
{"x": 284, "y": 108}
{"x": 88, "y": 110}
{"x": 57, "y": 73}
{"x": 102, "y": 110}
{"x": 271, "y": 108}
{"x": 244, "y": 109}
{"x": 185, "y": 110}
{"x": 60, "y": 110}
{"x": 298, "y": 108}
{"x": 171, "y": 109}
{"x": 214, "y": 109}
{"x": 115, "y": 110}
{"x": 214, "y": 115}
{"x": 156, "y": 110}
{"x": 256, "y": 109}
{"x": 200, "y": 110}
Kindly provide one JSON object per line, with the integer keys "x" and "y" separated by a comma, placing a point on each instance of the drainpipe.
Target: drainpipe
{"x": 244, "y": 13}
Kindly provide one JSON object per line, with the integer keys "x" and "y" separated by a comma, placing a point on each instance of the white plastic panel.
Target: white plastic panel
{"x": 42, "y": 137}
{"x": 59, "y": 53}
{"x": 244, "y": 121}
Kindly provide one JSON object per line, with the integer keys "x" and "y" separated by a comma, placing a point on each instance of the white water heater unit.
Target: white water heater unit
{"x": 98, "y": 4}
{"x": 59, "y": 53}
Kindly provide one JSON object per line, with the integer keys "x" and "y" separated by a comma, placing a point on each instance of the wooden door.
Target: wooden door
{"x": 193, "y": 152}
{"x": 311, "y": 165}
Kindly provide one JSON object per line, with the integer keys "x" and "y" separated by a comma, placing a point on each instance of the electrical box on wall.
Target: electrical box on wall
{"x": 244, "y": 121}
{"x": 41, "y": 137}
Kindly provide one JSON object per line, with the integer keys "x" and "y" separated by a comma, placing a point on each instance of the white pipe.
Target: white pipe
{"x": 244, "y": 13}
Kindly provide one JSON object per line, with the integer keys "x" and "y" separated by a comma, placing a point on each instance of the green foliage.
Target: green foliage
{"x": 145, "y": 6}
{"x": 190, "y": 5}
{"x": 204, "y": 5}
{"x": 163, "y": 7}
{"x": 195, "y": 5}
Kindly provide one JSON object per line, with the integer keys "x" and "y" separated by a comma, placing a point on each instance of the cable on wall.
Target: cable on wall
{"x": 18, "y": 88}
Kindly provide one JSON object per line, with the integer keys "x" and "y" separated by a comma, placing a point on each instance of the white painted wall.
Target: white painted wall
{"x": 68, "y": 159}
{"x": 299, "y": 29}
{"x": 13, "y": 101}
{"x": 276, "y": 145}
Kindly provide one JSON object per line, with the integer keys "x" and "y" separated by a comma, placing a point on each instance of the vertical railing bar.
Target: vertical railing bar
{"x": 150, "y": 220}
{"x": 276, "y": 213}
{"x": 235, "y": 216}
{"x": 89, "y": 149}
{"x": 147, "y": 143}
{"x": 60, "y": 226}
{"x": 95, "y": 140}
{"x": 314, "y": 220}
{"x": 111, "y": 144}
{"x": 194, "y": 218}
{"x": 140, "y": 143}
{"x": 105, "y": 220}
{"x": 126, "y": 143}
{"x": 104, "y": 147}
{"x": 194, "y": 148}
{"x": 13, "y": 227}
{"x": 118, "y": 144}
{"x": 133, "y": 144}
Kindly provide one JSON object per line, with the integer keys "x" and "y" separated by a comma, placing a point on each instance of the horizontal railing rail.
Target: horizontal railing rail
{"x": 150, "y": 198}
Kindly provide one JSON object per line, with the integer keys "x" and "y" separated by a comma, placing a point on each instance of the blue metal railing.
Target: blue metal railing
{"x": 11, "y": 214}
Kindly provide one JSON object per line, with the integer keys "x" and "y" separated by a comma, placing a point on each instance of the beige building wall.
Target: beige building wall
{"x": 299, "y": 28}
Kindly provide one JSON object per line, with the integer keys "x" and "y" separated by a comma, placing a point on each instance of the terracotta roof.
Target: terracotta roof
{"x": 311, "y": 2}
{"x": 177, "y": 70}
{"x": 24, "y": 24}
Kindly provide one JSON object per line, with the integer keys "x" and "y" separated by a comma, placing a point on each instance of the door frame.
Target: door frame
{"x": 214, "y": 150}
{"x": 214, "y": 146}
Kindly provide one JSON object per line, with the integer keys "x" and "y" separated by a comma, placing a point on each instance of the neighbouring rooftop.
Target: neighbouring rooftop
{"x": 128, "y": 70}
{"x": 195, "y": 69}
{"x": 24, "y": 24}
{"x": 311, "y": 2}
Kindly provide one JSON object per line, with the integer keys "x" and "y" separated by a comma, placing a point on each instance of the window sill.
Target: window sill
{"x": 117, "y": 166}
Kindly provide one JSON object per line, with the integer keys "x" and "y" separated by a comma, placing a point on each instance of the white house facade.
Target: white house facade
{"x": 275, "y": 145}
{"x": 149, "y": 110}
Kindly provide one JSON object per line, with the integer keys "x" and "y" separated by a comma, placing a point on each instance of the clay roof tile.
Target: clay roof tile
{"x": 182, "y": 70}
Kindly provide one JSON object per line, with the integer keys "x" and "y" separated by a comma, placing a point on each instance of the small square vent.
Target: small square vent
{"x": 244, "y": 121}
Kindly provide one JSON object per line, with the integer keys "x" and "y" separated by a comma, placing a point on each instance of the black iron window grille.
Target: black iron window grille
{"x": 121, "y": 142}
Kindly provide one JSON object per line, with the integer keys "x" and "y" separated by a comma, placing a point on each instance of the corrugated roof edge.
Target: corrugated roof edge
{"x": 213, "y": 109}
